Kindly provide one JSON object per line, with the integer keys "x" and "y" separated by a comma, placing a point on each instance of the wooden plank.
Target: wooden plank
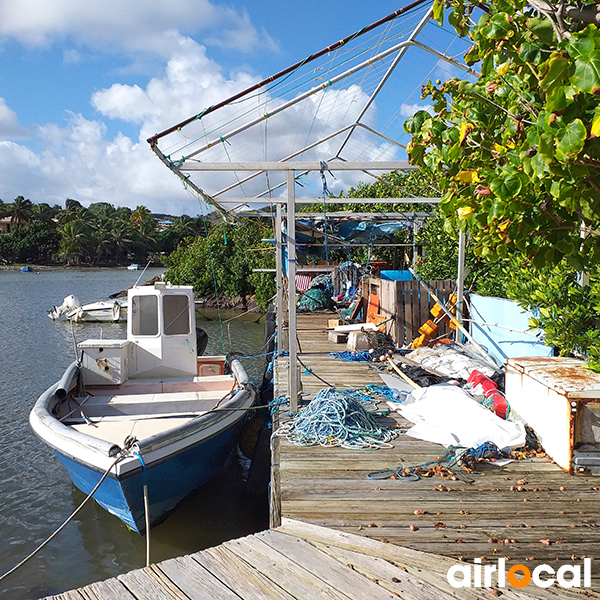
{"x": 110, "y": 589}
{"x": 408, "y": 312}
{"x": 429, "y": 567}
{"x": 233, "y": 577}
{"x": 143, "y": 585}
{"x": 194, "y": 580}
{"x": 292, "y": 577}
{"x": 247, "y": 574}
{"x": 329, "y": 570}
{"x": 79, "y": 594}
{"x": 424, "y": 307}
{"x": 275, "y": 487}
{"x": 387, "y": 575}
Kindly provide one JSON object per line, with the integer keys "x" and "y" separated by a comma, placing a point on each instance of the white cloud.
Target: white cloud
{"x": 408, "y": 110}
{"x": 9, "y": 124}
{"x": 131, "y": 25}
{"x": 78, "y": 160}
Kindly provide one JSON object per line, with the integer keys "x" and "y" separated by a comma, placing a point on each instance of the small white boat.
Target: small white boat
{"x": 134, "y": 267}
{"x": 146, "y": 418}
{"x": 104, "y": 310}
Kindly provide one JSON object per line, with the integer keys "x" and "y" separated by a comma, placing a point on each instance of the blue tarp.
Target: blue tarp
{"x": 396, "y": 275}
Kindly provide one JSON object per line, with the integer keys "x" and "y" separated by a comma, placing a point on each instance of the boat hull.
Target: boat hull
{"x": 168, "y": 482}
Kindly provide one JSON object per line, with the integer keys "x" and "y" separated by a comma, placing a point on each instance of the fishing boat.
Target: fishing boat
{"x": 145, "y": 417}
{"x": 134, "y": 267}
{"x": 101, "y": 311}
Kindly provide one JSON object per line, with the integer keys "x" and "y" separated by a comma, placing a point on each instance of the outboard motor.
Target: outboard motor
{"x": 69, "y": 303}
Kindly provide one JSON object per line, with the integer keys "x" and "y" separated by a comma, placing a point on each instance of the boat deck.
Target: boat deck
{"x": 529, "y": 511}
{"x": 145, "y": 407}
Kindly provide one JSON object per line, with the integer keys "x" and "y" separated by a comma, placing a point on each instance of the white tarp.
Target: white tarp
{"x": 448, "y": 415}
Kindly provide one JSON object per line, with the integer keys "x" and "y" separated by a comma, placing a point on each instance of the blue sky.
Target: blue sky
{"x": 83, "y": 84}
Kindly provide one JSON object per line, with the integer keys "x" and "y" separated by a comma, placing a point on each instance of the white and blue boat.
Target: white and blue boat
{"x": 146, "y": 413}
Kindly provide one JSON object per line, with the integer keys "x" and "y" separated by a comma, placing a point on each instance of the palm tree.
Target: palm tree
{"x": 141, "y": 215}
{"x": 71, "y": 242}
{"x": 21, "y": 211}
{"x": 43, "y": 212}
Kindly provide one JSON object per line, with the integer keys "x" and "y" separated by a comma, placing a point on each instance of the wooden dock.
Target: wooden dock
{"x": 297, "y": 561}
{"x": 553, "y": 520}
{"x": 336, "y": 534}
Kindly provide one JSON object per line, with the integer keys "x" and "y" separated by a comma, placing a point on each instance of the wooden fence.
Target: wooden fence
{"x": 410, "y": 304}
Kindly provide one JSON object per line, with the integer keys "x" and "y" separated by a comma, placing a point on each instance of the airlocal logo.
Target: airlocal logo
{"x": 543, "y": 576}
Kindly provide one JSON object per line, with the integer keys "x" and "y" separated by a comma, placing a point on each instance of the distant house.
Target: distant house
{"x": 162, "y": 225}
{"x": 5, "y": 224}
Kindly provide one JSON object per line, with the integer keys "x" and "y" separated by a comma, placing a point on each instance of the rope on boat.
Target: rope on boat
{"x": 69, "y": 519}
{"x": 336, "y": 418}
{"x": 146, "y": 507}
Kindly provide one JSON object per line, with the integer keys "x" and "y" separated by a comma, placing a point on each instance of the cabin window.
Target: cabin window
{"x": 176, "y": 309}
{"x": 144, "y": 315}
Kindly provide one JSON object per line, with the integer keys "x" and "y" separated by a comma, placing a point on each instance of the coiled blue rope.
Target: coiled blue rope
{"x": 336, "y": 418}
{"x": 357, "y": 356}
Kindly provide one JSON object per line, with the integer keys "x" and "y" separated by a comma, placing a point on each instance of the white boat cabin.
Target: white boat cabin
{"x": 161, "y": 339}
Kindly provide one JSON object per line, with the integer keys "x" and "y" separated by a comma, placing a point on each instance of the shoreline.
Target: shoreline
{"x": 15, "y": 267}
{"x": 238, "y": 303}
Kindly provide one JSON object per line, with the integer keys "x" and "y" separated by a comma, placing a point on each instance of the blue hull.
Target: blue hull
{"x": 168, "y": 482}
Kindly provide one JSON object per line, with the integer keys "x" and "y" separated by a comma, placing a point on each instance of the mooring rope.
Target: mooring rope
{"x": 68, "y": 520}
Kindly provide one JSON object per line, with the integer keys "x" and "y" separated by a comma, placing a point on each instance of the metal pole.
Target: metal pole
{"x": 291, "y": 258}
{"x": 387, "y": 75}
{"x": 460, "y": 278}
{"x": 279, "y": 278}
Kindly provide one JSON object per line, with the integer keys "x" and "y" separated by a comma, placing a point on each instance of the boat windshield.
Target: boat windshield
{"x": 144, "y": 315}
{"x": 177, "y": 314}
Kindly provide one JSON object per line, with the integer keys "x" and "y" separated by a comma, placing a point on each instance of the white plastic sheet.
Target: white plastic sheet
{"x": 448, "y": 415}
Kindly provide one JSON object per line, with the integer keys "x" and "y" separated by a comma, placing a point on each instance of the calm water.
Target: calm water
{"x": 36, "y": 494}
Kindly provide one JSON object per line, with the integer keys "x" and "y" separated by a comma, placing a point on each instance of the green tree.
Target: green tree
{"x": 226, "y": 256}
{"x": 516, "y": 151}
{"x": 21, "y": 211}
{"x": 72, "y": 240}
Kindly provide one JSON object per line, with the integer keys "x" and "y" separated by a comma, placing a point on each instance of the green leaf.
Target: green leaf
{"x": 438, "y": 11}
{"x": 587, "y": 72}
{"x": 556, "y": 70}
{"x": 498, "y": 207}
{"x": 416, "y": 153}
{"x": 570, "y": 139}
{"x": 487, "y": 65}
{"x": 498, "y": 27}
{"x": 506, "y": 187}
{"x": 556, "y": 100}
{"x": 581, "y": 46}
{"x": 539, "y": 165}
{"x": 413, "y": 124}
{"x": 454, "y": 152}
{"x": 542, "y": 29}
{"x": 472, "y": 55}
{"x": 546, "y": 147}
{"x": 531, "y": 53}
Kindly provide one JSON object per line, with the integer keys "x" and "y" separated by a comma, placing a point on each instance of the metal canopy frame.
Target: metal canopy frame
{"x": 183, "y": 157}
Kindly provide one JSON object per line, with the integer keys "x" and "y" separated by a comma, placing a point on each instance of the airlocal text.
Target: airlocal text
{"x": 543, "y": 576}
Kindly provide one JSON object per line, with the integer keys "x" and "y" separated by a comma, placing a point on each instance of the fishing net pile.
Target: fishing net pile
{"x": 318, "y": 295}
{"x": 336, "y": 418}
